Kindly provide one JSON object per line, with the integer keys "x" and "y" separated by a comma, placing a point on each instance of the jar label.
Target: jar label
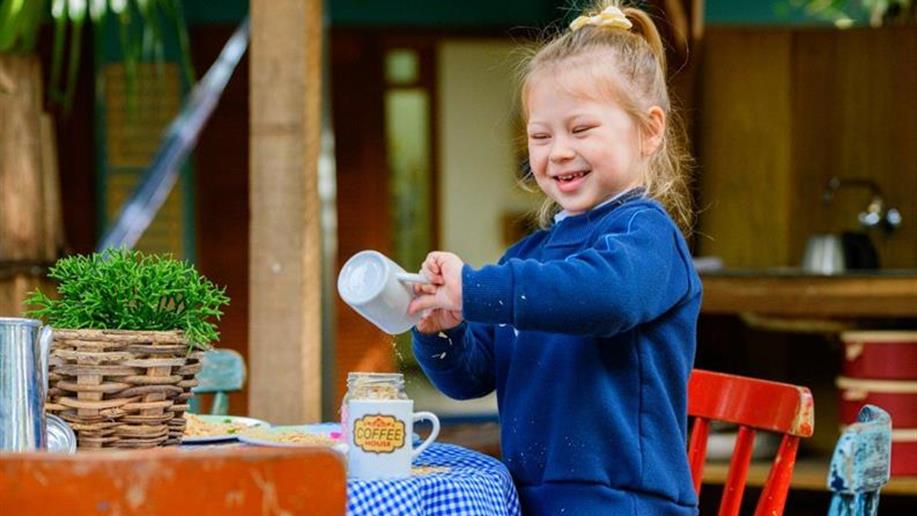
{"x": 378, "y": 433}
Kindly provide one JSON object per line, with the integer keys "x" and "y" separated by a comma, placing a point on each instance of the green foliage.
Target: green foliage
{"x": 122, "y": 289}
{"x": 143, "y": 26}
{"x": 845, "y": 13}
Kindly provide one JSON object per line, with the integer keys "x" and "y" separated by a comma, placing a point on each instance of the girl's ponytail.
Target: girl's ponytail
{"x": 644, "y": 26}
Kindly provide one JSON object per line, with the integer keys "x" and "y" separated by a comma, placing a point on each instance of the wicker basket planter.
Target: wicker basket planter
{"x": 122, "y": 388}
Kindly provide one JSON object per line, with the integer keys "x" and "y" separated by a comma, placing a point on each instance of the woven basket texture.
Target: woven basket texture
{"x": 122, "y": 388}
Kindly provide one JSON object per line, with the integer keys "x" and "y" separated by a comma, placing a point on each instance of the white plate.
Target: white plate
{"x": 323, "y": 429}
{"x": 208, "y": 418}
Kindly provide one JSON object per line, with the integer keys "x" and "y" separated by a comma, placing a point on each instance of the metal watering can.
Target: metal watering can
{"x": 24, "y": 348}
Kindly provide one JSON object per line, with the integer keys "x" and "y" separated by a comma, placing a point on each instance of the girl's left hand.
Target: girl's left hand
{"x": 445, "y": 273}
{"x": 438, "y": 320}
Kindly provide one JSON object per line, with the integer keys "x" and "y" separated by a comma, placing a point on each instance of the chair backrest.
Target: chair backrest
{"x": 753, "y": 405}
{"x": 222, "y": 371}
{"x": 236, "y": 480}
{"x": 861, "y": 464}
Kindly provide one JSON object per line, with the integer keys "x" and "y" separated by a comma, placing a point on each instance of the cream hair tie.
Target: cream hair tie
{"x": 611, "y": 17}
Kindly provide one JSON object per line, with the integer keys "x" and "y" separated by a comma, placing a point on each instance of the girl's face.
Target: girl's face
{"x": 583, "y": 149}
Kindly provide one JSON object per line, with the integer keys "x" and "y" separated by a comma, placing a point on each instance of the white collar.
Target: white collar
{"x": 562, "y": 214}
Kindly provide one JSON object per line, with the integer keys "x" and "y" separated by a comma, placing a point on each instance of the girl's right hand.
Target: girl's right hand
{"x": 441, "y": 300}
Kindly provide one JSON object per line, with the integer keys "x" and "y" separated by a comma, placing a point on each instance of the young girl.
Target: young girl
{"x": 586, "y": 329}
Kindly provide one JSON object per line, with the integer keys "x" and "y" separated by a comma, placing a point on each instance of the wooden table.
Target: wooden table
{"x": 166, "y": 481}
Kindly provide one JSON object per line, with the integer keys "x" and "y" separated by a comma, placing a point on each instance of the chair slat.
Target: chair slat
{"x": 220, "y": 405}
{"x": 777, "y": 486}
{"x": 697, "y": 451}
{"x": 738, "y": 472}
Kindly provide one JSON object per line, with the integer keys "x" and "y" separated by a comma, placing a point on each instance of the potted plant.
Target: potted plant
{"x": 129, "y": 331}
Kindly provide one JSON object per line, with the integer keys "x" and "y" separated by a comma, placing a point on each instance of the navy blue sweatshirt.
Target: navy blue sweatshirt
{"x": 587, "y": 332}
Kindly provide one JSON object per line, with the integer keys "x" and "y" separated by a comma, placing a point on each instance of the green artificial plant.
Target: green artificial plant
{"x": 122, "y": 289}
{"x": 142, "y": 25}
{"x": 845, "y": 13}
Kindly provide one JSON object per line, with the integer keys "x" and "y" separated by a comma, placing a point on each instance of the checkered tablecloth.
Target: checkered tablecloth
{"x": 459, "y": 482}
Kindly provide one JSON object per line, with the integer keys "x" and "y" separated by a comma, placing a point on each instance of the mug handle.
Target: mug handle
{"x": 408, "y": 277}
{"x": 431, "y": 417}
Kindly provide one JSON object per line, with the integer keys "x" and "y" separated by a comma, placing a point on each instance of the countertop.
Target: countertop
{"x": 795, "y": 293}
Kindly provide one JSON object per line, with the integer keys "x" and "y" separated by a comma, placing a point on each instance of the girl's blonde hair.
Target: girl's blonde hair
{"x": 636, "y": 57}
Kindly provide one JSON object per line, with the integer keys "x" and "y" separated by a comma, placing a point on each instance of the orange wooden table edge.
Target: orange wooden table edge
{"x": 234, "y": 480}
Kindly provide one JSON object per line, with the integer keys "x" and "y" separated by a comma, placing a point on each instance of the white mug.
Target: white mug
{"x": 380, "y": 435}
{"x": 378, "y": 289}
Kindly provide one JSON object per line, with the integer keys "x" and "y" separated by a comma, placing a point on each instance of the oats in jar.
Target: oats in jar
{"x": 375, "y": 386}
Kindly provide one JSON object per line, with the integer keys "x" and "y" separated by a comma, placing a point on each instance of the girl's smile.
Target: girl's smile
{"x": 572, "y": 181}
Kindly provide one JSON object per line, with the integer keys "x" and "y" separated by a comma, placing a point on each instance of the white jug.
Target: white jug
{"x": 378, "y": 289}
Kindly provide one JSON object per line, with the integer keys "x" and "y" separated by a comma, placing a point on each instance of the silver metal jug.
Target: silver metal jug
{"x": 24, "y": 348}
{"x": 824, "y": 254}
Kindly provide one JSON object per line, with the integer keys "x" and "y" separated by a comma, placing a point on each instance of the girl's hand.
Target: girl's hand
{"x": 438, "y": 320}
{"x": 445, "y": 293}
{"x": 435, "y": 320}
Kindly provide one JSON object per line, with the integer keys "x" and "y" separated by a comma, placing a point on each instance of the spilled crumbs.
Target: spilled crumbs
{"x": 429, "y": 470}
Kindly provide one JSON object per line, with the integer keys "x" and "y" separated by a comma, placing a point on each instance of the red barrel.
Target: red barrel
{"x": 890, "y": 355}
{"x": 898, "y": 398}
{"x": 904, "y": 452}
{"x": 880, "y": 368}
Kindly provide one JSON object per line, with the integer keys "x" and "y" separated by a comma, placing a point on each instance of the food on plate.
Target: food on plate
{"x": 288, "y": 437}
{"x": 198, "y": 427}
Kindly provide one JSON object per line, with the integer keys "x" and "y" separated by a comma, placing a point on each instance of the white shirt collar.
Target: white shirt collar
{"x": 562, "y": 214}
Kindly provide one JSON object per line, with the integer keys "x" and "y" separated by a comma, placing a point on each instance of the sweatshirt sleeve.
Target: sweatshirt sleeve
{"x": 629, "y": 276}
{"x": 459, "y": 361}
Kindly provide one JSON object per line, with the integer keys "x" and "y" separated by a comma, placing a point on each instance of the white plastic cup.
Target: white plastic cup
{"x": 379, "y": 438}
{"x": 379, "y": 290}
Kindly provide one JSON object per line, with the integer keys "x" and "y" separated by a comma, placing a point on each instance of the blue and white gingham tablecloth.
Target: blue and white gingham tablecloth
{"x": 471, "y": 484}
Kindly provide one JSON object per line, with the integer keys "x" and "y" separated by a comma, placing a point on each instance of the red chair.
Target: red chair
{"x": 753, "y": 405}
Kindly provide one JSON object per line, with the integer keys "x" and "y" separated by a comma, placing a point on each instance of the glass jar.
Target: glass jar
{"x": 375, "y": 386}
{"x": 371, "y": 386}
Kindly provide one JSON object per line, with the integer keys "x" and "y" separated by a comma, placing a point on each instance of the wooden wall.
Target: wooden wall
{"x": 31, "y": 232}
{"x": 784, "y": 110}
{"x": 221, "y": 172}
{"x": 363, "y": 199}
